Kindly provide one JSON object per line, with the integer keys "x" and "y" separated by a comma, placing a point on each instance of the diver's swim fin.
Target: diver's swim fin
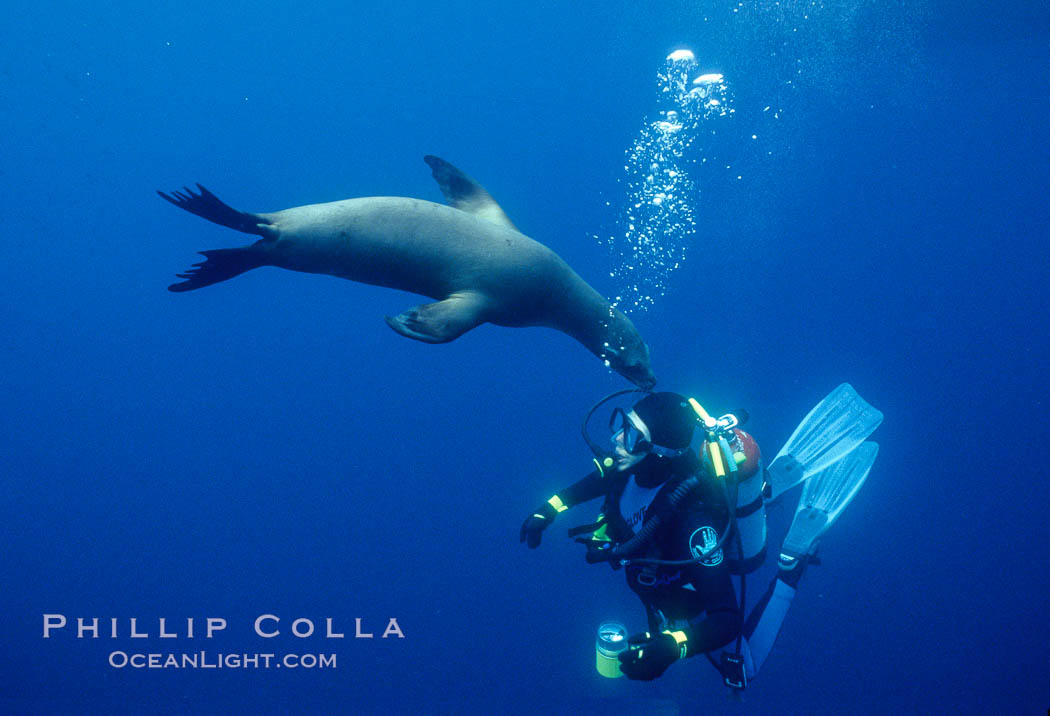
{"x": 824, "y": 498}
{"x": 837, "y": 425}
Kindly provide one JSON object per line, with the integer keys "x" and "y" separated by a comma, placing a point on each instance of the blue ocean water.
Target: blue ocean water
{"x": 874, "y": 211}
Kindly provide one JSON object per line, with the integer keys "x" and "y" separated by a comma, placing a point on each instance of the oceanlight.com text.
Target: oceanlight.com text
{"x": 218, "y": 660}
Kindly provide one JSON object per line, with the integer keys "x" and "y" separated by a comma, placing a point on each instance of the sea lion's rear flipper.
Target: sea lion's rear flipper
{"x": 208, "y": 206}
{"x": 442, "y": 321}
{"x": 219, "y": 265}
{"x": 465, "y": 194}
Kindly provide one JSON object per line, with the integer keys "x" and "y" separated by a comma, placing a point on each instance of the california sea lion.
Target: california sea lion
{"x": 468, "y": 256}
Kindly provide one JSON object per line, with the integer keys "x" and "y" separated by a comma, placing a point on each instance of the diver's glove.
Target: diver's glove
{"x": 533, "y": 526}
{"x": 647, "y": 657}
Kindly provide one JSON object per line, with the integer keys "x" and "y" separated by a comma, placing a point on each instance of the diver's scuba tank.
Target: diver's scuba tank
{"x": 747, "y": 554}
{"x": 612, "y": 639}
{"x": 729, "y": 453}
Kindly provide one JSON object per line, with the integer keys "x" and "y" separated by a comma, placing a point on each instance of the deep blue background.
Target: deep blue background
{"x": 268, "y": 445}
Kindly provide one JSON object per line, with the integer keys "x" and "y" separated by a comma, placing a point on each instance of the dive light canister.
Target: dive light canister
{"x": 612, "y": 639}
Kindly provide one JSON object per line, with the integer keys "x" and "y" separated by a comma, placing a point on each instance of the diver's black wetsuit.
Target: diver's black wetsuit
{"x": 697, "y": 598}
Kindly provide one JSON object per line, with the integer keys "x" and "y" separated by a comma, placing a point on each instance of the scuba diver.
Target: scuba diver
{"x": 682, "y": 524}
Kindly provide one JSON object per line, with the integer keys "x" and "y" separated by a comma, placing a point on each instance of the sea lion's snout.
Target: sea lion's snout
{"x": 633, "y": 365}
{"x": 625, "y": 352}
{"x": 641, "y": 375}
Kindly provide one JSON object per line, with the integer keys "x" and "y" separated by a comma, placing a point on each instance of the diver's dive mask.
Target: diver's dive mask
{"x": 627, "y": 429}
{"x": 626, "y": 432}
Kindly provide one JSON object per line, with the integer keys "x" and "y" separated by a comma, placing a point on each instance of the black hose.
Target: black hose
{"x": 645, "y": 535}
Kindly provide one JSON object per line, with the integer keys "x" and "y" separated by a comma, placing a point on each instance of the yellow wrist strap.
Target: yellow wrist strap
{"x": 680, "y": 638}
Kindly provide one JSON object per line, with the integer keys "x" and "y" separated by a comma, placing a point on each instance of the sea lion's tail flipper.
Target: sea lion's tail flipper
{"x": 466, "y": 194}
{"x": 208, "y": 206}
{"x": 442, "y": 321}
{"x": 219, "y": 265}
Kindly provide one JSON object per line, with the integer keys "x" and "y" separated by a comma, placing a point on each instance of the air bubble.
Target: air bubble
{"x": 657, "y": 222}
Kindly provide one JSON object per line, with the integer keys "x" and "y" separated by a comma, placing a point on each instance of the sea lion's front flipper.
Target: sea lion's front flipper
{"x": 465, "y": 194}
{"x": 442, "y": 321}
